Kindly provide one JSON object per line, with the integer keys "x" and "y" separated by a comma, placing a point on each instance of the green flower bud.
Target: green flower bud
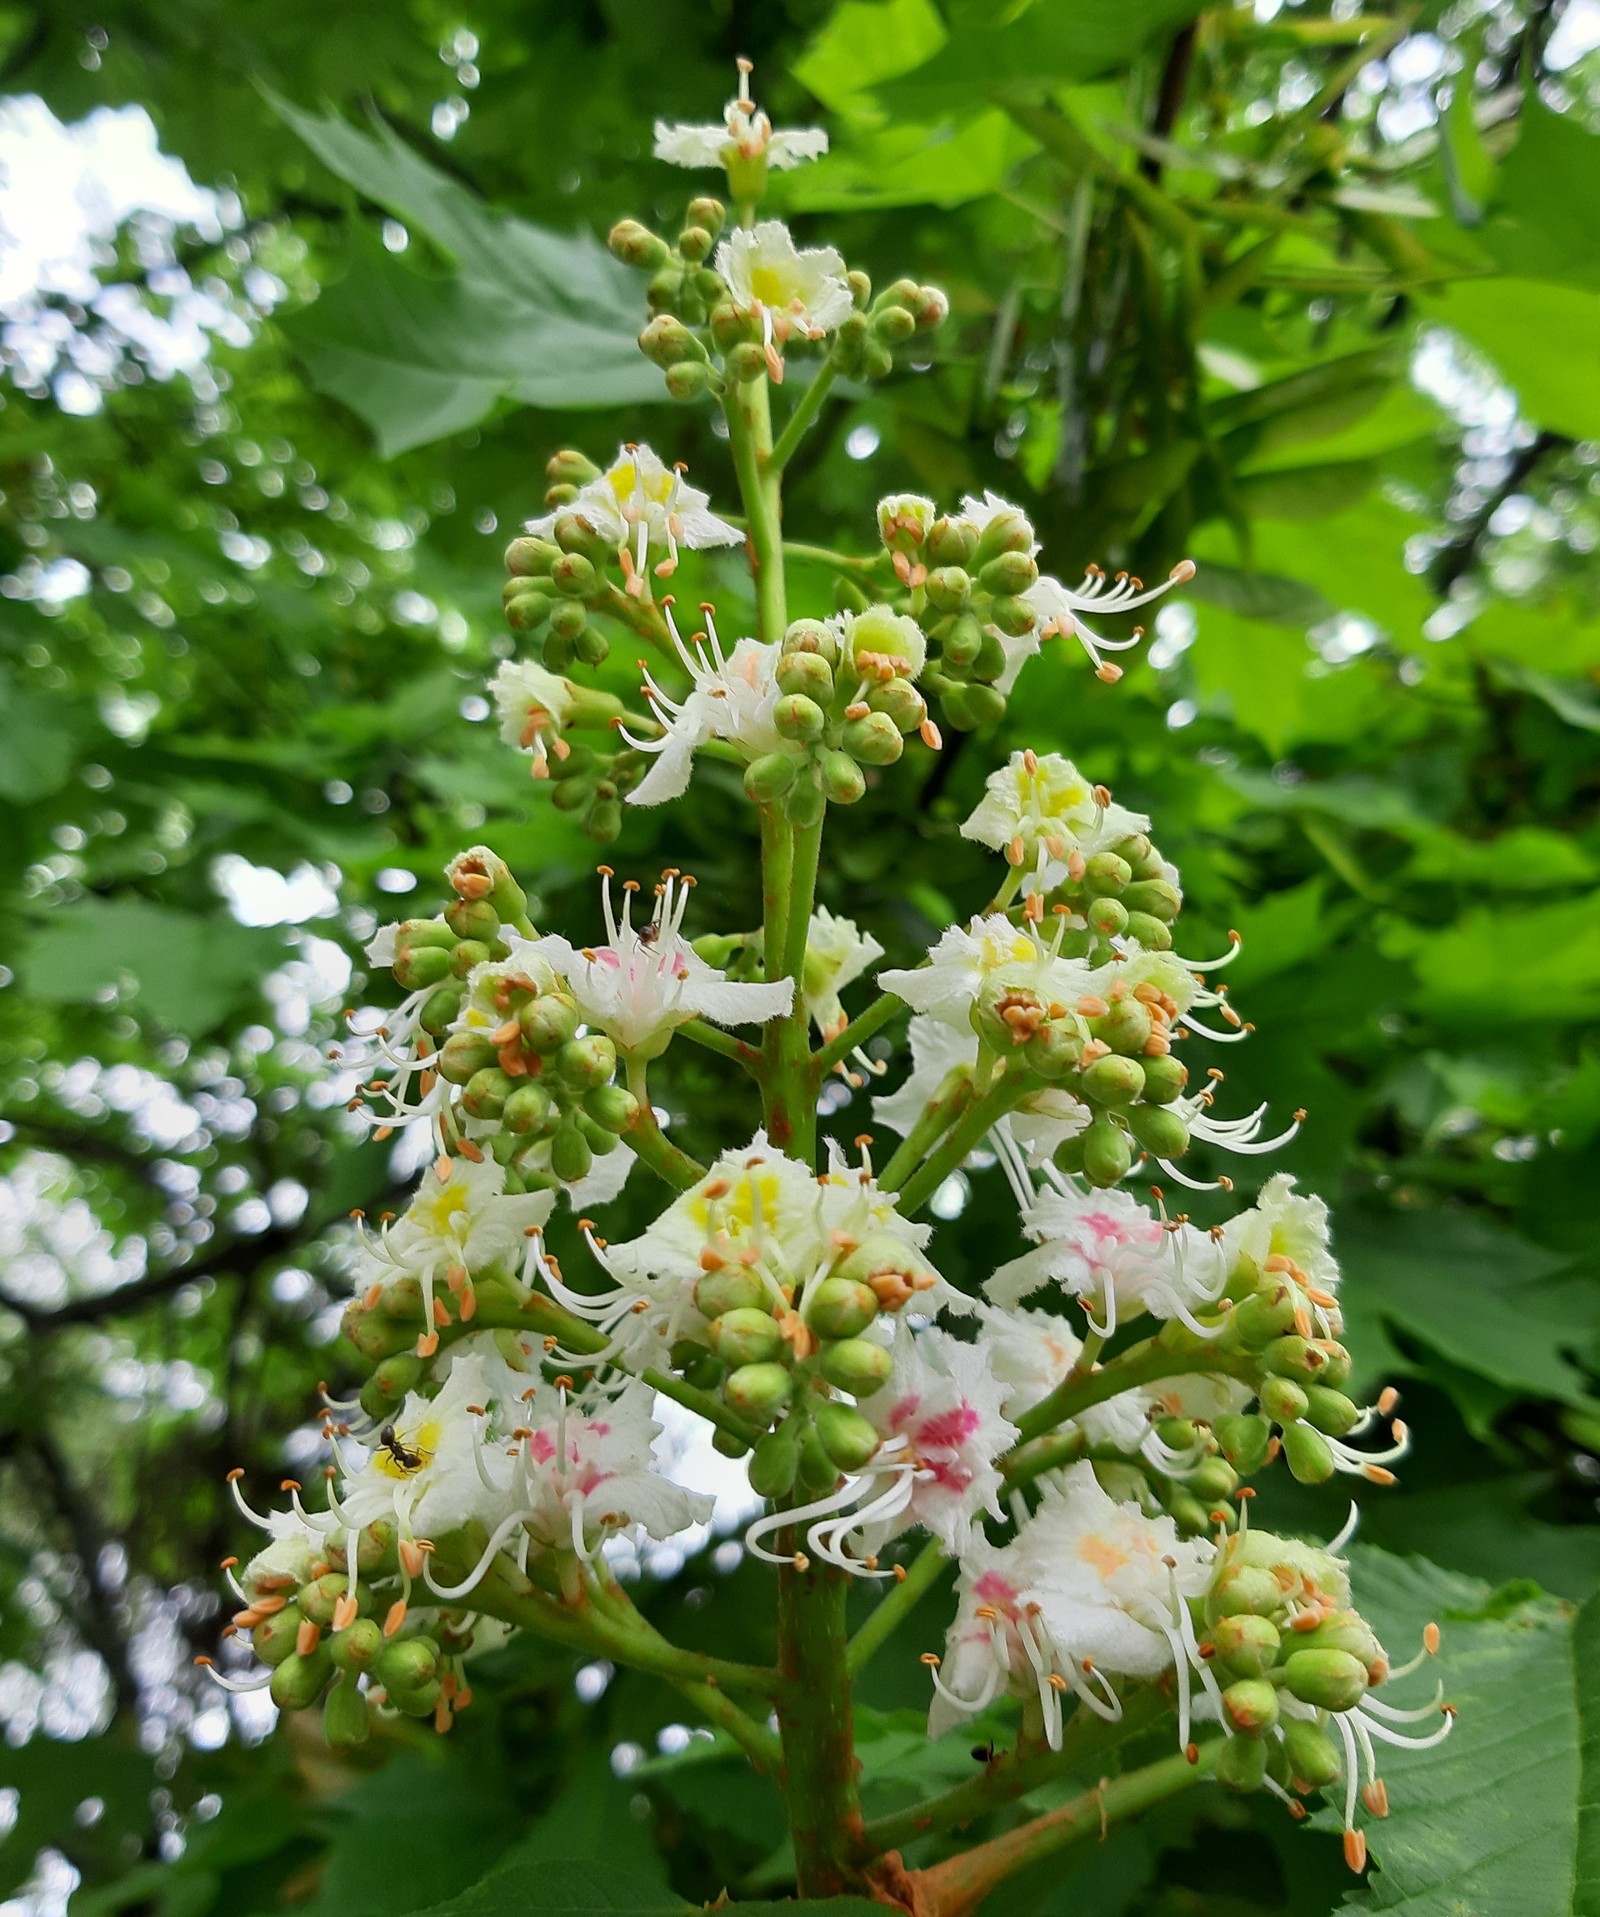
{"x": 1133, "y": 850}
{"x": 1315, "y": 1760}
{"x": 1241, "y": 1763}
{"x": 574, "y": 576}
{"x": 948, "y": 588}
{"x": 841, "y": 1308}
{"x": 1160, "y": 1130}
{"x": 1192, "y": 1517}
{"x": 818, "y": 1472}
{"x": 1104, "y": 873}
{"x": 600, "y": 1140}
{"x": 856, "y": 1365}
{"x": 892, "y": 1268}
{"x": 929, "y": 308}
{"x": 1014, "y": 617}
{"x": 1335, "y": 1364}
{"x": 567, "y": 621}
{"x": 1007, "y": 532}
{"x": 900, "y": 702}
{"x": 530, "y": 1109}
{"x": 746, "y": 362}
{"x": 1107, "y": 917}
{"x": 806, "y": 672}
{"x": 848, "y": 1438}
{"x": 1246, "y": 1643}
{"x": 375, "y": 1547}
{"x": 694, "y": 243}
{"x": 1177, "y": 1433}
{"x": 1149, "y": 932}
{"x": 574, "y": 534}
{"x": 549, "y": 1021}
{"x": 768, "y": 778}
{"x": 611, "y": 1106}
{"x": 843, "y": 781}
{"x": 419, "y": 965}
{"x": 748, "y": 1336}
{"x": 732, "y": 1288}
{"x": 1107, "y": 1155}
{"x": 811, "y": 635}
{"x": 874, "y": 740}
{"x": 1243, "y": 1589}
{"x": 1126, "y": 1028}
{"x": 585, "y": 1063}
{"x": 775, "y": 1461}
{"x": 877, "y": 362}
{"x": 689, "y": 380}
{"x": 1159, "y": 897}
{"x": 984, "y": 705}
{"x": 1251, "y": 1706}
{"x": 637, "y": 246}
{"x": 474, "y": 920}
{"x": 892, "y": 324}
{"x": 1164, "y": 1078}
{"x": 486, "y": 1092}
{"x": 318, "y": 1598}
{"x": 297, "y": 1682}
{"x": 665, "y": 290}
{"x": 1282, "y": 1400}
{"x": 417, "y": 1702}
{"x": 1244, "y": 1440}
{"x": 705, "y": 211}
{"x": 571, "y": 1155}
{"x": 1307, "y": 1455}
{"x": 952, "y": 542}
{"x": 1009, "y": 574}
{"x": 963, "y": 642}
{"x": 406, "y": 1662}
{"x": 357, "y": 1645}
{"x": 1055, "y": 1048}
{"x": 1213, "y": 1479}
{"x": 464, "y": 1054}
{"x": 730, "y": 327}
{"x": 1332, "y": 1680}
{"x": 1294, "y": 1357}
{"x": 1349, "y": 1632}
{"x": 1113, "y": 1080}
{"x": 798, "y": 718}
{"x": 344, "y": 1715}
{"x": 530, "y": 558}
{"x": 470, "y": 954}
{"x": 807, "y": 801}
{"x": 1262, "y": 1317}
{"x": 758, "y": 1392}
{"x": 273, "y": 1639}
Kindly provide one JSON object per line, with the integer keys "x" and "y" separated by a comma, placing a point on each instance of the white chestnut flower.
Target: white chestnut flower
{"x": 792, "y": 289}
{"x": 532, "y": 706}
{"x": 641, "y": 985}
{"x": 1061, "y": 608}
{"x": 838, "y": 952}
{"x": 1039, "y": 802}
{"x": 640, "y": 504}
{"x": 987, "y": 952}
{"x": 745, "y": 139}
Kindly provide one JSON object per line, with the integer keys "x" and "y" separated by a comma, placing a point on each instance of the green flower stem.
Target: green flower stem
{"x": 1140, "y": 1364}
{"x": 969, "y": 1132}
{"x": 951, "y": 1099}
{"x": 714, "y": 1039}
{"x": 1043, "y": 1454}
{"x": 958, "y": 1886}
{"x": 922, "y": 1574}
{"x": 762, "y": 1748}
{"x": 749, "y": 417}
{"x": 777, "y": 873}
{"x": 1012, "y": 1774}
{"x": 814, "y": 1720}
{"x": 642, "y": 617}
{"x": 647, "y": 1138}
{"x": 857, "y": 1032}
{"x": 840, "y": 562}
{"x": 805, "y": 410}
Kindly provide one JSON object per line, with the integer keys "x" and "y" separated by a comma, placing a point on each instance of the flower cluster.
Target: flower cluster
{"x": 1073, "y": 1420}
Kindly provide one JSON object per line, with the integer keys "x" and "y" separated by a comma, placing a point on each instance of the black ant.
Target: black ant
{"x": 407, "y": 1460}
{"x": 983, "y": 1753}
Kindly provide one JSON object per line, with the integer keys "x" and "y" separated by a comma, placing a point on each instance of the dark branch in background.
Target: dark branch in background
{"x": 101, "y": 1621}
{"x": 1456, "y": 559}
{"x": 1169, "y": 100}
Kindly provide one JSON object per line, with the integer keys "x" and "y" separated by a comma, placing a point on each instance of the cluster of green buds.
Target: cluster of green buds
{"x": 967, "y": 586}
{"x": 555, "y": 582}
{"x": 319, "y": 1638}
{"x": 683, "y": 288}
{"x": 864, "y": 346}
{"x": 1294, "y": 1664}
{"x": 848, "y": 702}
{"x": 1122, "y": 892}
{"x": 776, "y": 1364}
{"x": 1302, "y": 1407}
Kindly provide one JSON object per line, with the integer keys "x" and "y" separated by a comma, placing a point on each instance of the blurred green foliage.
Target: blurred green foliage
{"x": 1250, "y": 285}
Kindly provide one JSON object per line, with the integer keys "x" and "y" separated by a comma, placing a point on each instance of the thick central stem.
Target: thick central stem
{"x": 814, "y": 1721}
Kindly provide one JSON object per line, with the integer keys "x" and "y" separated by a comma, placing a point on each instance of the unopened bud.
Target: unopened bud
{"x": 843, "y": 781}
{"x": 860, "y": 287}
{"x": 1307, "y": 1454}
{"x": 344, "y": 1715}
{"x": 1331, "y": 1680}
{"x": 1246, "y": 1643}
{"x": 873, "y": 740}
{"x": 529, "y": 1110}
{"x": 689, "y": 381}
{"x": 416, "y": 966}
{"x": 758, "y": 1392}
{"x": 463, "y": 1054}
{"x": 768, "y": 778}
{"x": 930, "y": 308}
{"x": 1294, "y": 1357}
{"x": 529, "y": 558}
{"x": 856, "y": 1365}
{"x": 1331, "y": 1411}
{"x": 848, "y": 1438}
{"x": 1009, "y": 573}
{"x": 705, "y": 211}
{"x": 407, "y": 1662}
{"x": 892, "y": 324}
{"x": 1244, "y": 1440}
{"x": 1212, "y": 1480}
{"x": 297, "y": 1682}
{"x": 1149, "y": 932}
{"x": 900, "y": 702}
{"x": 611, "y": 1106}
{"x": 668, "y": 341}
{"x": 798, "y": 718}
{"x": 1243, "y": 1589}
{"x": 952, "y": 542}
{"x": 749, "y": 1336}
{"x": 273, "y": 1639}
{"x": 1008, "y": 531}
{"x": 811, "y": 635}
{"x": 637, "y": 246}
{"x": 1251, "y": 1706}
{"x": 574, "y": 576}
{"x": 549, "y": 1021}
{"x": 806, "y": 672}
{"x": 1282, "y": 1400}
{"x": 1107, "y": 1153}
{"x": 1314, "y": 1758}
{"x": 1160, "y": 1130}
{"x": 732, "y": 1288}
{"x": 841, "y": 1308}
{"x": 948, "y": 588}
{"x": 571, "y": 1155}
{"x": 587, "y": 1062}
{"x": 694, "y": 243}
{"x": 1164, "y": 1079}
{"x": 357, "y": 1645}
{"x": 746, "y": 362}
{"x": 1113, "y": 1080}
{"x": 486, "y": 1093}
{"x": 1159, "y": 897}
{"x": 774, "y": 1461}
{"x": 1241, "y": 1763}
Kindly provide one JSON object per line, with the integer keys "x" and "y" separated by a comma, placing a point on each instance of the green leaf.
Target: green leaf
{"x": 1546, "y": 219}
{"x": 1259, "y": 595}
{"x": 1544, "y": 339}
{"x": 38, "y": 742}
{"x": 937, "y": 165}
{"x": 541, "y": 318}
{"x": 1540, "y": 963}
{"x": 1306, "y": 492}
{"x": 187, "y": 971}
{"x": 1275, "y": 686}
{"x": 1478, "y": 1294}
{"x": 1526, "y": 859}
{"x": 1503, "y": 1819}
{"x": 866, "y": 42}
{"x": 1571, "y": 700}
